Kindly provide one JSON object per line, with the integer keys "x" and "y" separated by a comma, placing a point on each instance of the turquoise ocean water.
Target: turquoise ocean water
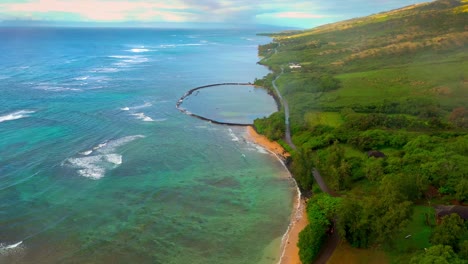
{"x": 98, "y": 166}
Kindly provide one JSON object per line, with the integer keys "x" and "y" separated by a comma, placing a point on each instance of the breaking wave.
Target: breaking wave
{"x": 105, "y": 158}
{"x": 16, "y": 115}
{"x": 143, "y": 117}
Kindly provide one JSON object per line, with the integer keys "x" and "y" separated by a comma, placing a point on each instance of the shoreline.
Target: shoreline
{"x": 289, "y": 252}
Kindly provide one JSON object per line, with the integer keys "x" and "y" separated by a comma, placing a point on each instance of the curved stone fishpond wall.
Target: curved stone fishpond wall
{"x": 188, "y": 93}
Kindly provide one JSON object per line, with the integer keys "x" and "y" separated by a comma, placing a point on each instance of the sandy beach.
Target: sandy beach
{"x": 289, "y": 249}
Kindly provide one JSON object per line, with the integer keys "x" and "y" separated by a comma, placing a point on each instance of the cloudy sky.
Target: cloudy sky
{"x": 292, "y": 13}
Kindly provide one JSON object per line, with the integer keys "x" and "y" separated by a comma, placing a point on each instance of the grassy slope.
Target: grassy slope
{"x": 415, "y": 53}
{"x": 393, "y": 54}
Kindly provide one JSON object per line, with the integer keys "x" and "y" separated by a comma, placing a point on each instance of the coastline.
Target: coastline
{"x": 289, "y": 252}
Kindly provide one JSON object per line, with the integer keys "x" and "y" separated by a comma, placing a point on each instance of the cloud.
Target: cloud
{"x": 298, "y": 15}
{"x": 98, "y": 10}
{"x": 278, "y": 12}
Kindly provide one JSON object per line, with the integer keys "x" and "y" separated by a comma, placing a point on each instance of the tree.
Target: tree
{"x": 449, "y": 232}
{"x": 373, "y": 169}
{"x": 438, "y": 254}
{"x": 374, "y": 219}
{"x": 463, "y": 253}
{"x": 461, "y": 190}
{"x": 302, "y": 168}
{"x": 321, "y": 210}
{"x": 310, "y": 242}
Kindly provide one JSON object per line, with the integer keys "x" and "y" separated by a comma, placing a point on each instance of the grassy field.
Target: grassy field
{"x": 345, "y": 254}
{"x": 448, "y": 86}
{"x": 332, "y": 119}
{"x": 403, "y": 248}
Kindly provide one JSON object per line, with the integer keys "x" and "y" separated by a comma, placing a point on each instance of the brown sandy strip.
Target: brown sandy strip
{"x": 289, "y": 250}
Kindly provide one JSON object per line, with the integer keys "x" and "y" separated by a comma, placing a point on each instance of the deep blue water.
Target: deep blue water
{"x": 98, "y": 166}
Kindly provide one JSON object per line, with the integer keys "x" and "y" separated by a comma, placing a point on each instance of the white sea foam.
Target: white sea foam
{"x": 96, "y": 166}
{"x": 56, "y": 88}
{"x": 143, "y": 117}
{"x": 159, "y": 119}
{"x": 254, "y": 147}
{"x": 82, "y": 78}
{"x": 105, "y": 70}
{"x": 6, "y": 250}
{"x": 233, "y": 136}
{"x": 138, "y": 50}
{"x": 16, "y": 115}
{"x": 165, "y": 46}
{"x": 92, "y": 167}
{"x": 113, "y": 144}
{"x": 86, "y": 153}
{"x": 101, "y": 145}
{"x": 14, "y": 245}
{"x": 261, "y": 150}
{"x": 124, "y": 108}
{"x": 114, "y": 158}
{"x": 127, "y": 61}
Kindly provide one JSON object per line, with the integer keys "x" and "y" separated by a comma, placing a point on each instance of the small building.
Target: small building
{"x": 375, "y": 154}
{"x": 444, "y": 210}
{"x": 294, "y": 66}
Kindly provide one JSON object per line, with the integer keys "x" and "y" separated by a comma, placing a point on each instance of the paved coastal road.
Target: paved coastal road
{"x": 285, "y": 105}
{"x": 333, "y": 240}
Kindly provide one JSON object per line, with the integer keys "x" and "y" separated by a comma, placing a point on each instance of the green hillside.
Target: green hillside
{"x": 394, "y": 82}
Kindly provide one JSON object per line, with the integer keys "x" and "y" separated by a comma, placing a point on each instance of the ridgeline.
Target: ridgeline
{"x": 378, "y": 105}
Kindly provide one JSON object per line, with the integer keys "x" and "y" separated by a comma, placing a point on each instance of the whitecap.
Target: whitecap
{"x": 233, "y": 136}
{"x": 180, "y": 45}
{"x": 105, "y": 70}
{"x": 56, "y": 88}
{"x": 167, "y": 46}
{"x": 126, "y": 61}
{"x": 82, "y": 78}
{"x": 101, "y": 145}
{"x": 113, "y": 144}
{"x": 114, "y": 158}
{"x": 86, "y": 153}
{"x": 143, "y": 117}
{"x": 16, "y": 115}
{"x": 124, "y": 108}
{"x": 6, "y": 250}
{"x": 138, "y": 50}
{"x": 14, "y": 245}
{"x": 94, "y": 167}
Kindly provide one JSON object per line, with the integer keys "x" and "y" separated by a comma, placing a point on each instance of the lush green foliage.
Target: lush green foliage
{"x": 439, "y": 254}
{"x": 310, "y": 242}
{"x": 364, "y": 222}
{"x": 272, "y": 127}
{"x": 450, "y": 232}
{"x": 321, "y": 209}
{"x": 393, "y": 82}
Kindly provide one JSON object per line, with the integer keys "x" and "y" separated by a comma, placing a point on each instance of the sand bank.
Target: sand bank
{"x": 263, "y": 141}
{"x": 289, "y": 249}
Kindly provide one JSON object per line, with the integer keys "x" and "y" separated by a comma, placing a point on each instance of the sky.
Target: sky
{"x": 286, "y": 13}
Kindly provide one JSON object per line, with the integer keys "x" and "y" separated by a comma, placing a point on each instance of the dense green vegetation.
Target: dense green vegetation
{"x": 320, "y": 211}
{"x": 395, "y": 84}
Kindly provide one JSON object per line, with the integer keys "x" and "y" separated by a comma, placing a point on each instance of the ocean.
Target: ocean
{"x": 98, "y": 166}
